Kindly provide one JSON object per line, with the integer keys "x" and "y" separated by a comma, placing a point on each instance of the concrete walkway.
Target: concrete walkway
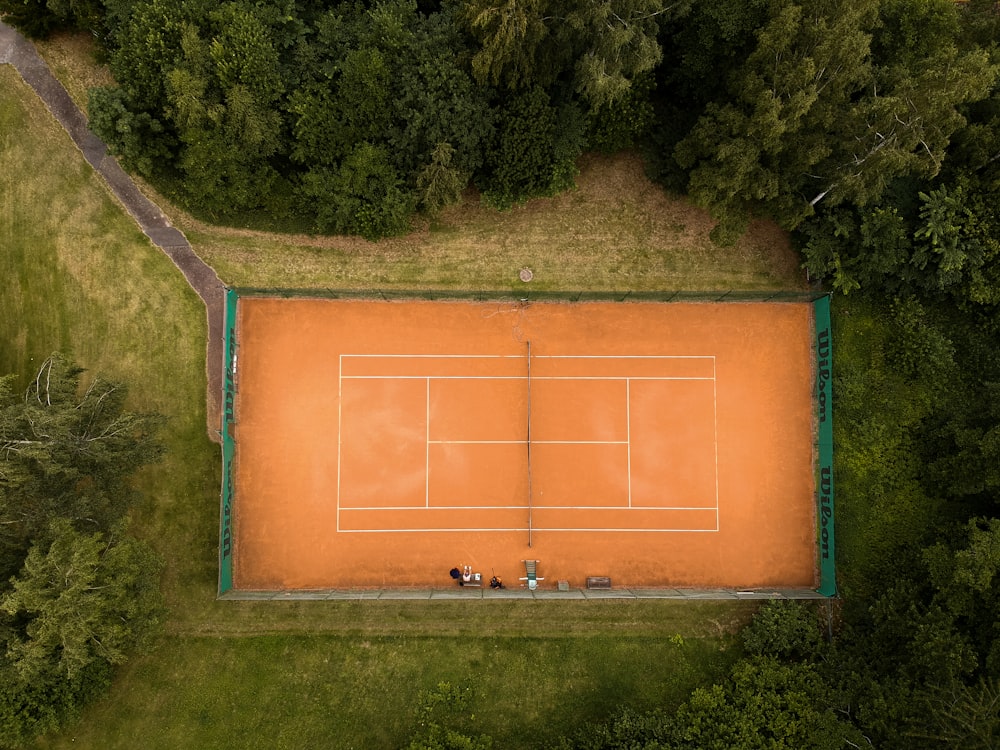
{"x": 19, "y": 52}
{"x": 470, "y": 594}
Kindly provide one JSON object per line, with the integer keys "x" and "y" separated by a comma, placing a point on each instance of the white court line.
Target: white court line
{"x": 340, "y": 431}
{"x": 534, "y": 356}
{"x": 623, "y": 356}
{"x": 627, "y": 442}
{"x": 628, "y": 436}
{"x": 449, "y": 507}
{"x": 518, "y": 377}
{"x": 619, "y": 377}
{"x": 534, "y": 505}
{"x": 533, "y": 442}
{"x": 715, "y": 427}
{"x": 427, "y": 447}
{"x": 465, "y": 530}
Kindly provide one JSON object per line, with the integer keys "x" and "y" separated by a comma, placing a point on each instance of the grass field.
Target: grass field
{"x": 347, "y": 674}
{"x": 332, "y": 691}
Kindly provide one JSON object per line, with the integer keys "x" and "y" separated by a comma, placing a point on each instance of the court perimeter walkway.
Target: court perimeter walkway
{"x": 19, "y": 52}
{"x": 452, "y": 594}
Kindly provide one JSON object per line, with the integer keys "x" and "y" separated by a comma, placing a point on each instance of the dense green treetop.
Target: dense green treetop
{"x": 66, "y": 454}
{"x": 821, "y": 111}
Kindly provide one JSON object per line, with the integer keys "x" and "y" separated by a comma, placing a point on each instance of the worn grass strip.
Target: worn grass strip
{"x": 460, "y": 619}
{"x": 616, "y": 231}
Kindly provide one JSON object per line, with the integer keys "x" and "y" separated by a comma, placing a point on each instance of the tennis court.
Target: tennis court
{"x": 380, "y": 444}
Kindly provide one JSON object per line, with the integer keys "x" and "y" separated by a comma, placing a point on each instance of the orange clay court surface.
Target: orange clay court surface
{"x": 380, "y": 444}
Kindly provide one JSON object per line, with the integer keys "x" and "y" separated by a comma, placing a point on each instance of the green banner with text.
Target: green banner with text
{"x": 824, "y": 468}
{"x": 228, "y": 446}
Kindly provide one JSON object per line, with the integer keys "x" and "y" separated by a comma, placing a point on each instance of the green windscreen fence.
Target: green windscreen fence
{"x": 824, "y": 479}
{"x": 828, "y": 586}
{"x": 228, "y": 446}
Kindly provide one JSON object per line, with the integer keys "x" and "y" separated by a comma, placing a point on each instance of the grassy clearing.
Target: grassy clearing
{"x": 85, "y": 281}
{"x": 615, "y": 232}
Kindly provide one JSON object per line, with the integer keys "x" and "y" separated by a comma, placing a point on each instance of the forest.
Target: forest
{"x": 868, "y": 129}
{"x": 862, "y": 120}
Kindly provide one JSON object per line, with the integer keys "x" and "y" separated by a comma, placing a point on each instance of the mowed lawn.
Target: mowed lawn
{"x": 80, "y": 278}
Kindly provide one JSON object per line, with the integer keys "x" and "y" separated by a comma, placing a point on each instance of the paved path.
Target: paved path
{"x": 17, "y": 51}
{"x": 455, "y": 592}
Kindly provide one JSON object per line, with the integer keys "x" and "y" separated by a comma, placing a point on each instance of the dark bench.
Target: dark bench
{"x": 598, "y": 582}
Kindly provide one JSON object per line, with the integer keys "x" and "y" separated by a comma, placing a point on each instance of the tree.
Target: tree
{"x": 623, "y": 124}
{"x": 938, "y": 240}
{"x": 764, "y": 704}
{"x": 783, "y": 629}
{"x": 33, "y": 18}
{"x": 439, "y": 183}
{"x": 29, "y": 709}
{"x": 145, "y": 42}
{"x": 603, "y": 45}
{"x": 223, "y": 96}
{"x": 705, "y": 44}
{"x": 434, "y": 100}
{"x": 940, "y": 236}
{"x": 390, "y": 79}
{"x": 331, "y": 119}
{"x": 82, "y": 598}
{"x": 965, "y": 716}
{"x": 364, "y": 195}
{"x": 617, "y": 43}
{"x": 967, "y": 581}
{"x": 903, "y": 123}
{"x": 66, "y": 455}
{"x": 813, "y": 116}
{"x": 39, "y": 18}
{"x": 755, "y": 152}
{"x": 140, "y": 140}
{"x": 535, "y": 149}
{"x": 512, "y": 33}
